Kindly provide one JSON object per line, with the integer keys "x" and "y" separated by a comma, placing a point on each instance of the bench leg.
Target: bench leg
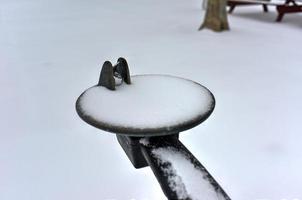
{"x": 280, "y": 17}
{"x": 265, "y": 8}
{"x": 232, "y": 7}
{"x": 286, "y": 8}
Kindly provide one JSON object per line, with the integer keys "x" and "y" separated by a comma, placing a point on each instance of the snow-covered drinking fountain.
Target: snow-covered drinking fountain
{"x": 147, "y": 113}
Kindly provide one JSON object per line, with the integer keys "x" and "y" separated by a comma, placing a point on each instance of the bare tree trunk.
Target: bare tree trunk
{"x": 216, "y": 16}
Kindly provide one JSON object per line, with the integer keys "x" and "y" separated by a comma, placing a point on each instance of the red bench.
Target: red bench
{"x": 288, "y": 6}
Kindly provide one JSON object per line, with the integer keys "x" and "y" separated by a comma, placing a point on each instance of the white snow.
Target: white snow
{"x": 186, "y": 180}
{"x": 52, "y": 50}
{"x": 151, "y": 101}
{"x": 118, "y": 81}
{"x": 144, "y": 141}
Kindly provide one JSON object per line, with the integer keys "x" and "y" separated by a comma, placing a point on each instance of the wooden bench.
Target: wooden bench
{"x": 288, "y": 6}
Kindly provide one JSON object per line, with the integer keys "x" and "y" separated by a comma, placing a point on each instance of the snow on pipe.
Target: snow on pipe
{"x": 179, "y": 173}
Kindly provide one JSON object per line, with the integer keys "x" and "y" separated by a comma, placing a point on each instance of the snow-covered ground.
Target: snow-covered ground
{"x": 51, "y": 50}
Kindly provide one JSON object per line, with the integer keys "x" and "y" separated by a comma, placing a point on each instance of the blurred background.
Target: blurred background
{"x": 51, "y": 51}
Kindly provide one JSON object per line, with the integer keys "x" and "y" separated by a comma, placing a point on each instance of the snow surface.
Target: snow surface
{"x": 144, "y": 141}
{"x": 51, "y": 51}
{"x": 151, "y": 101}
{"x": 185, "y": 179}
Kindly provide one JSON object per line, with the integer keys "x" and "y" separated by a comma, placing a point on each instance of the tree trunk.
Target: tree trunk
{"x": 216, "y": 16}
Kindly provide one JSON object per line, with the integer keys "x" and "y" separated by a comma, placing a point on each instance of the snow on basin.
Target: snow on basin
{"x": 151, "y": 101}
